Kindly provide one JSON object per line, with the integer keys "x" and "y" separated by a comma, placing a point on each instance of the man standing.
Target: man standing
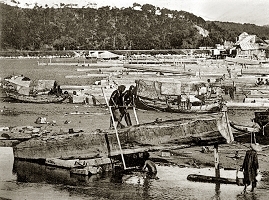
{"x": 116, "y": 103}
{"x": 250, "y": 167}
{"x": 128, "y": 100}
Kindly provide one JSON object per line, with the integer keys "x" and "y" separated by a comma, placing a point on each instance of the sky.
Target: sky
{"x": 239, "y": 11}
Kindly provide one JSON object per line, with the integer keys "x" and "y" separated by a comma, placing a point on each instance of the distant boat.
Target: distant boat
{"x": 36, "y": 99}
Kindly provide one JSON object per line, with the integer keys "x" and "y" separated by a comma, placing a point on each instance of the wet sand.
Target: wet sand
{"x": 21, "y": 114}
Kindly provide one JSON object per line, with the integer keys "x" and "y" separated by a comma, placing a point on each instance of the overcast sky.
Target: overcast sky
{"x": 242, "y": 11}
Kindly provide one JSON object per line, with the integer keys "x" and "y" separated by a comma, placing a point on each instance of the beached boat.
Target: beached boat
{"x": 149, "y": 136}
{"x": 163, "y": 95}
{"x": 148, "y": 104}
{"x": 24, "y": 89}
{"x": 244, "y": 128}
{"x": 45, "y": 98}
{"x": 261, "y": 118}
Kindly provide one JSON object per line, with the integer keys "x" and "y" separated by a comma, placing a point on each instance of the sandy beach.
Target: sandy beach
{"x": 88, "y": 118}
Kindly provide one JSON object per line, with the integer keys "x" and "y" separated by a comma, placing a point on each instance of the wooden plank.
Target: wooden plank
{"x": 210, "y": 179}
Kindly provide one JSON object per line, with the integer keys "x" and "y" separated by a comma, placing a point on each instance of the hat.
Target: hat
{"x": 255, "y": 147}
{"x": 122, "y": 87}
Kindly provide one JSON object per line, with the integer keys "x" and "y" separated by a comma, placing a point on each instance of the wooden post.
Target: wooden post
{"x": 136, "y": 118}
{"x": 216, "y": 156}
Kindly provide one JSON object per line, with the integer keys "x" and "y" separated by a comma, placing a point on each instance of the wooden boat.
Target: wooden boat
{"x": 243, "y": 128}
{"x": 24, "y": 89}
{"x": 148, "y": 104}
{"x": 45, "y": 98}
{"x": 261, "y": 118}
{"x": 149, "y": 136}
{"x": 163, "y": 95}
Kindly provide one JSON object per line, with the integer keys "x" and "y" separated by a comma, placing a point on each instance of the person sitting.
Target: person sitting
{"x": 266, "y": 82}
{"x": 150, "y": 166}
{"x": 261, "y": 82}
{"x": 258, "y": 81}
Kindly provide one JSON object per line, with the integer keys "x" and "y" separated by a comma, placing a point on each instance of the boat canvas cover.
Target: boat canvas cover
{"x": 23, "y": 90}
{"x": 157, "y": 90}
{"x": 18, "y": 81}
{"x": 42, "y": 85}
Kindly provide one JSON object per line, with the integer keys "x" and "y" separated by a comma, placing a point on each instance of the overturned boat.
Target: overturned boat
{"x": 168, "y": 96}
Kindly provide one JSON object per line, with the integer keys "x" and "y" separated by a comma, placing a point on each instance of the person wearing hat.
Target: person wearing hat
{"x": 116, "y": 103}
{"x": 250, "y": 166}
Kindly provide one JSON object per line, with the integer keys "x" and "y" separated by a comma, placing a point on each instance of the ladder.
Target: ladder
{"x": 115, "y": 127}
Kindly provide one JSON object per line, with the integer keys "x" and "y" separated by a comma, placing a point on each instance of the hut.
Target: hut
{"x": 249, "y": 46}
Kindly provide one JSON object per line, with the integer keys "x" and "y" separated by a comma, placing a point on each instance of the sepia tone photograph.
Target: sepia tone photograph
{"x": 134, "y": 99}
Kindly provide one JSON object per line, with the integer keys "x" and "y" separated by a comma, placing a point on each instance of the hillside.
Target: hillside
{"x": 65, "y": 28}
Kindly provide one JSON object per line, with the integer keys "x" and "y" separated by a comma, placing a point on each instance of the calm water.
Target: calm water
{"x": 23, "y": 180}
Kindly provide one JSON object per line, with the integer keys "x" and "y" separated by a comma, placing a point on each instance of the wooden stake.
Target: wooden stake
{"x": 216, "y": 156}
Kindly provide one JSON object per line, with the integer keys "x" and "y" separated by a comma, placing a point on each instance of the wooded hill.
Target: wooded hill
{"x": 45, "y": 28}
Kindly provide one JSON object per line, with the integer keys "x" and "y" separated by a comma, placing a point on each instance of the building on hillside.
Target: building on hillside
{"x": 249, "y": 46}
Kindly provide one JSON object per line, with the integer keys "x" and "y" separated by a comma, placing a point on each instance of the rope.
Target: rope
{"x": 263, "y": 128}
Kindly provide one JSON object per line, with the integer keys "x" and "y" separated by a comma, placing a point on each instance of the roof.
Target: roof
{"x": 250, "y": 42}
{"x": 248, "y": 46}
{"x": 103, "y": 54}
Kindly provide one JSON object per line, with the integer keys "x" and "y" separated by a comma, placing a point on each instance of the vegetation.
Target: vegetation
{"x": 65, "y": 28}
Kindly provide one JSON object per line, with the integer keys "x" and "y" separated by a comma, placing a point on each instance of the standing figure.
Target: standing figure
{"x": 250, "y": 167}
{"x": 208, "y": 89}
{"x": 188, "y": 103}
{"x": 116, "y": 103}
{"x": 128, "y": 100}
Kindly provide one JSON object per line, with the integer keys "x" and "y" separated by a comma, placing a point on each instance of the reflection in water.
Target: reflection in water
{"x": 53, "y": 183}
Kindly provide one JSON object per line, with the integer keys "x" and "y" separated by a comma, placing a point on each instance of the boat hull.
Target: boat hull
{"x": 36, "y": 99}
{"x": 105, "y": 143}
{"x": 162, "y": 106}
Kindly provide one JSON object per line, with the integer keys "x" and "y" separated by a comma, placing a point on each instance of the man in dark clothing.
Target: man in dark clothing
{"x": 128, "y": 100}
{"x": 116, "y": 103}
{"x": 251, "y": 167}
{"x": 128, "y": 96}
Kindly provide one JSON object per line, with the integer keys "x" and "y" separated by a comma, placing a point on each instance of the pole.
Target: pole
{"x": 136, "y": 118}
{"x": 216, "y": 156}
{"x": 116, "y": 131}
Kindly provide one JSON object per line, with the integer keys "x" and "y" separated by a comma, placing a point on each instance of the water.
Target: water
{"x": 31, "y": 181}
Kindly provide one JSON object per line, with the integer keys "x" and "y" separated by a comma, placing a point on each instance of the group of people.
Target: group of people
{"x": 260, "y": 81}
{"x": 119, "y": 102}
